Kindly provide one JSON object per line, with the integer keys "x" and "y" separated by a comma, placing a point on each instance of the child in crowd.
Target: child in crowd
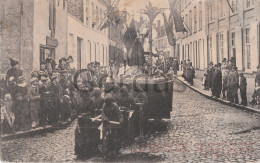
{"x": 7, "y": 116}
{"x": 34, "y": 96}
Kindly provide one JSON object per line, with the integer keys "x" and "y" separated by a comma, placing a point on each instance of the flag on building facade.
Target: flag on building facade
{"x": 130, "y": 36}
{"x": 169, "y": 31}
{"x": 112, "y": 16}
{"x": 179, "y": 26}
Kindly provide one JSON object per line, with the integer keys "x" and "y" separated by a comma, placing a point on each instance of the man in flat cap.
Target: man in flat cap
{"x": 14, "y": 71}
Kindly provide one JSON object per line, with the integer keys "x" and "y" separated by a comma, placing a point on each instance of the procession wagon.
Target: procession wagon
{"x": 89, "y": 134}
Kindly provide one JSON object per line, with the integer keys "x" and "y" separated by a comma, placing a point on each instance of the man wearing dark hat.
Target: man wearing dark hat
{"x": 44, "y": 101}
{"x": 69, "y": 60}
{"x": 216, "y": 82}
{"x": 233, "y": 85}
{"x": 56, "y": 98}
{"x": 175, "y": 66}
{"x": 190, "y": 73}
{"x": 62, "y": 63}
{"x": 210, "y": 73}
{"x": 243, "y": 88}
{"x": 64, "y": 80}
{"x": 14, "y": 71}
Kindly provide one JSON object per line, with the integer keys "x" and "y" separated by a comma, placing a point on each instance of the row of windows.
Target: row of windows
{"x": 233, "y": 4}
{"x": 220, "y": 44}
{"x": 94, "y": 15}
{"x": 193, "y": 52}
{"x": 191, "y": 20}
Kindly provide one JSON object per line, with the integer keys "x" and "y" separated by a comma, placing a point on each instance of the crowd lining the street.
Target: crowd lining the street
{"x": 226, "y": 79}
{"x": 52, "y": 98}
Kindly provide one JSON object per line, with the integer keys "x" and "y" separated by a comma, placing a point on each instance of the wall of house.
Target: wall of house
{"x": 10, "y": 32}
{"x": 78, "y": 30}
{"x": 41, "y": 30}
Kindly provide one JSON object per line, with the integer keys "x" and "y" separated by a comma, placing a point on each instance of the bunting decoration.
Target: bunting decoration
{"x": 130, "y": 36}
{"x": 179, "y": 25}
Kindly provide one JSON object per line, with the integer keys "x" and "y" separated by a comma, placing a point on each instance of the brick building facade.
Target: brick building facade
{"x": 215, "y": 31}
{"x": 32, "y": 30}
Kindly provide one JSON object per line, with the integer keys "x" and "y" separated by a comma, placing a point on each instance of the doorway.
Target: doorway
{"x": 79, "y": 52}
{"x": 46, "y": 52}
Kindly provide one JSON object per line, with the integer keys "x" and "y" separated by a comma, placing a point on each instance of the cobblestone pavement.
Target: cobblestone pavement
{"x": 199, "y": 130}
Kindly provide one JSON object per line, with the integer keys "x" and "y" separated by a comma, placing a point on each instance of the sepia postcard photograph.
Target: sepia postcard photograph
{"x": 170, "y": 81}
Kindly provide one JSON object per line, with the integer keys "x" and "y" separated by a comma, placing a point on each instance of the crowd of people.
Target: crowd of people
{"x": 224, "y": 78}
{"x": 45, "y": 99}
{"x": 52, "y": 97}
{"x": 188, "y": 71}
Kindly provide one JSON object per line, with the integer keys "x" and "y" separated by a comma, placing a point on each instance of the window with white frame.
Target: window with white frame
{"x": 210, "y": 48}
{"x": 248, "y": 48}
{"x": 93, "y": 15}
{"x": 211, "y": 7}
{"x": 233, "y": 38}
{"x": 87, "y": 12}
{"x": 249, "y": 3}
{"x": 234, "y": 5}
{"x": 183, "y": 33}
{"x": 221, "y": 46}
{"x": 200, "y": 15}
{"x": 195, "y": 19}
{"x": 186, "y": 21}
{"x": 190, "y": 21}
{"x": 101, "y": 16}
{"x": 220, "y": 7}
{"x": 97, "y": 17}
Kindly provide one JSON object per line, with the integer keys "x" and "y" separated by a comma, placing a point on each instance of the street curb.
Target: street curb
{"x": 244, "y": 108}
{"x": 35, "y": 131}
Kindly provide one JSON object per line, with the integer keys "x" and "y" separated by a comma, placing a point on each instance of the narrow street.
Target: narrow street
{"x": 199, "y": 130}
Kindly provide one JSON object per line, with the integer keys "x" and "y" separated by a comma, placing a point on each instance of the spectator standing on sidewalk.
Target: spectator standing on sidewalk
{"x": 22, "y": 106}
{"x": 210, "y": 73}
{"x": 184, "y": 65}
{"x": 243, "y": 88}
{"x": 257, "y": 84}
{"x": 190, "y": 73}
{"x": 56, "y": 98}
{"x": 175, "y": 66}
{"x": 216, "y": 81}
{"x": 225, "y": 71}
{"x": 233, "y": 85}
{"x": 44, "y": 101}
{"x": 34, "y": 96}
